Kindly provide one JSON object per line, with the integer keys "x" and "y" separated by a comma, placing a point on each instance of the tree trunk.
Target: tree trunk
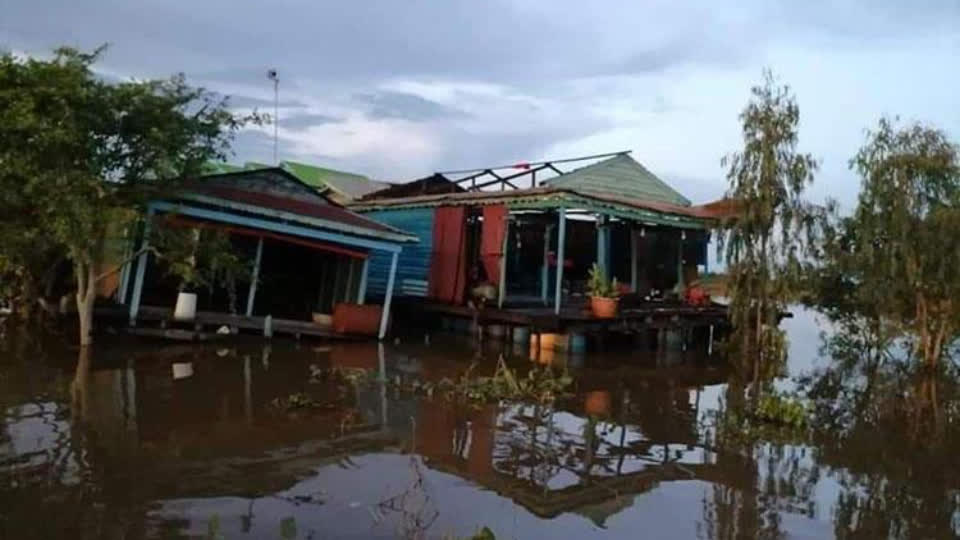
{"x": 86, "y": 294}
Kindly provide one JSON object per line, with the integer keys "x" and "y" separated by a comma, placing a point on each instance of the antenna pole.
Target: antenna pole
{"x": 276, "y": 117}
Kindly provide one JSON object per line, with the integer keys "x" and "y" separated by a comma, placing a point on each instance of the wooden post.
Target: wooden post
{"x": 502, "y": 286}
{"x": 545, "y": 270}
{"x": 561, "y": 240}
{"x": 141, "y": 268}
{"x": 634, "y": 270}
{"x": 385, "y": 316}
{"x": 252, "y": 292}
{"x": 362, "y": 292}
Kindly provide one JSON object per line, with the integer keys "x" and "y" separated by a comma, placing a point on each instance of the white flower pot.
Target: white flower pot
{"x": 186, "y": 308}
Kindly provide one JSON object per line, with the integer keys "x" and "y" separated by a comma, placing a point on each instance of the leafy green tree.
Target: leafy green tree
{"x": 762, "y": 244}
{"x": 899, "y": 253}
{"x": 80, "y": 154}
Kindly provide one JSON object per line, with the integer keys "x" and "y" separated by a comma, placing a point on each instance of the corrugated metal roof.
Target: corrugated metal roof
{"x": 278, "y": 190}
{"x": 349, "y": 185}
{"x": 554, "y": 197}
{"x": 435, "y": 183}
{"x": 622, "y": 176}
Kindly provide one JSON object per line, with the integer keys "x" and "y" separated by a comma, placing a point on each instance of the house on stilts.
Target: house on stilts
{"x": 308, "y": 253}
{"x": 534, "y": 230}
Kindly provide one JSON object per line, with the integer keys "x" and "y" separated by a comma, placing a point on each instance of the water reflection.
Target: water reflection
{"x": 126, "y": 444}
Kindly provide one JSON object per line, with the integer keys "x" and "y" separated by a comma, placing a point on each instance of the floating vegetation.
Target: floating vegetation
{"x": 298, "y": 400}
{"x": 782, "y": 409}
{"x": 338, "y": 374}
{"x": 542, "y": 385}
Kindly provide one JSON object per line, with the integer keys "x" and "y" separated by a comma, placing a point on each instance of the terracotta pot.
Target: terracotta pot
{"x": 604, "y": 308}
{"x": 597, "y": 403}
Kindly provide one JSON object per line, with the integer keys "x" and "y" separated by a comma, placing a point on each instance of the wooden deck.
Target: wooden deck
{"x": 578, "y": 318}
{"x": 156, "y": 321}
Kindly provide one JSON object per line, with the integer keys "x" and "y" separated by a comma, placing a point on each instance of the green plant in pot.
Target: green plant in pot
{"x": 604, "y": 293}
{"x": 200, "y": 259}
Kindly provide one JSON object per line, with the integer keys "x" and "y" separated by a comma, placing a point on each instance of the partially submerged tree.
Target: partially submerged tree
{"x": 900, "y": 250}
{"x": 81, "y": 153}
{"x": 762, "y": 243}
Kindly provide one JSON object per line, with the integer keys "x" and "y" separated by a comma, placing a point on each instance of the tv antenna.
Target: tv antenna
{"x": 272, "y": 75}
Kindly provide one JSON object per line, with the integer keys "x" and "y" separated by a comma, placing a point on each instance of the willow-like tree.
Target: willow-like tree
{"x": 901, "y": 246}
{"x": 762, "y": 245}
{"x": 80, "y": 154}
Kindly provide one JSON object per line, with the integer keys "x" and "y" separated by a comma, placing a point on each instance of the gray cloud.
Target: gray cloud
{"x": 258, "y": 103}
{"x": 405, "y": 106}
{"x": 562, "y": 71}
{"x": 306, "y": 120}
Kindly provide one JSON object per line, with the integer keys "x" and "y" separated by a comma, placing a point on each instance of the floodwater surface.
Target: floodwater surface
{"x": 253, "y": 441}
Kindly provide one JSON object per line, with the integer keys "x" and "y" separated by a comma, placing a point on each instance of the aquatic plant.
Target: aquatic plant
{"x": 541, "y": 385}
{"x": 782, "y": 409}
{"x": 298, "y": 400}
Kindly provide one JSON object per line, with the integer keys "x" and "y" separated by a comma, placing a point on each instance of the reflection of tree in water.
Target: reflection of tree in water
{"x": 764, "y": 475}
{"x": 891, "y": 426}
{"x": 884, "y": 428}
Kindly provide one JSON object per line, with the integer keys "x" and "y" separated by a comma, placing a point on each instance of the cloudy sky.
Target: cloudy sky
{"x": 399, "y": 88}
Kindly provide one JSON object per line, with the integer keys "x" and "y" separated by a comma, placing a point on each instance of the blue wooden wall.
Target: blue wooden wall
{"x": 413, "y": 265}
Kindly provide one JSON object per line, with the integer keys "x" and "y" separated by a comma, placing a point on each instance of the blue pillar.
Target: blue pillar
{"x": 545, "y": 270}
{"x": 561, "y": 240}
{"x": 141, "y": 267}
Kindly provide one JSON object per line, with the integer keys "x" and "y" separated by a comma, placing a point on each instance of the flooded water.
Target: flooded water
{"x": 168, "y": 441}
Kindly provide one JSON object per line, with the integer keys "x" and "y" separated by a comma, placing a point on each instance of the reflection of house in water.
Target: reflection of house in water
{"x": 214, "y": 434}
{"x": 557, "y": 460}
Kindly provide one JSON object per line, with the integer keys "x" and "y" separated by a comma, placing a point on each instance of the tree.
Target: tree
{"x": 81, "y": 154}
{"x": 900, "y": 250}
{"x": 761, "y": 244}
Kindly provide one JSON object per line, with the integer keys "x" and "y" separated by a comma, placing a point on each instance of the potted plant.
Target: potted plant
{"x": 604, "y": 293}
{"x": 201, "y": 260}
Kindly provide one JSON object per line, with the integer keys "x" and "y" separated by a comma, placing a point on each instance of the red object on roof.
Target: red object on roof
{"x": 522, "y": 165}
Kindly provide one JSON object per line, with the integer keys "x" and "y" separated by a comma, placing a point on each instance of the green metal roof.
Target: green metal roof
{"x": 352, "y": 186}
{"x": 621, "y": 176}
{"x": 221, "y": 167}
{"x": 348, "y": 186}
